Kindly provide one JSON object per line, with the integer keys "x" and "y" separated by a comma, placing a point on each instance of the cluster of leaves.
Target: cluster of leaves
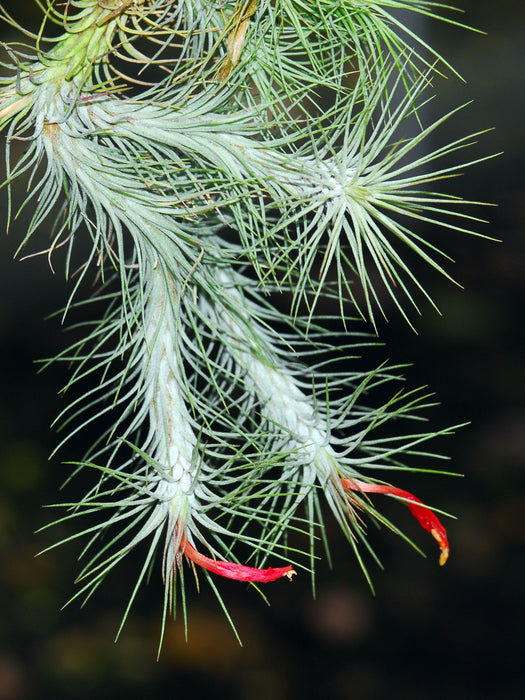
{"x": 238, "y": 166}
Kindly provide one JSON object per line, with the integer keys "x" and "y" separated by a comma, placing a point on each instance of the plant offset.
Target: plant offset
{"x": 243, "y": 175}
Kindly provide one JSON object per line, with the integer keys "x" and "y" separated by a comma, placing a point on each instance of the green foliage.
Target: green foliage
{"x": 238, "y": 167}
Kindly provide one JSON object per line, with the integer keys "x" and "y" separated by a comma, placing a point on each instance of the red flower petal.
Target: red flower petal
{"x": 426, "y": 518}
{"x": 236, "y": 571}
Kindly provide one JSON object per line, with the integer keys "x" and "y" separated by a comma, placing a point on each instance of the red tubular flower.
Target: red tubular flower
{"x": 426, "y": 518}
{"x": 238, "y": 572}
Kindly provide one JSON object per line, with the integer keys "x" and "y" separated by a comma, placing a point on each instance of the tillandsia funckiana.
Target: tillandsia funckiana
{"x": 248, "y": 174}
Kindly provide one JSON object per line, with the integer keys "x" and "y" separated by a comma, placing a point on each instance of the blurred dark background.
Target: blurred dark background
{"x": 430, "y": 633}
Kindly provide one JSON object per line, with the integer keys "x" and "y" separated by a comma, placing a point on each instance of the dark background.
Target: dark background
{"x": 431, "y": 633}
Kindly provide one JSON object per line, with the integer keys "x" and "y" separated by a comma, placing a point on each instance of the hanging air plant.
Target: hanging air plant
{"x": 245, "y": 179}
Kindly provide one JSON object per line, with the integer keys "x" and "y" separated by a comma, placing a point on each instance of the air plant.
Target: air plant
{"x": 244, "y": 176}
